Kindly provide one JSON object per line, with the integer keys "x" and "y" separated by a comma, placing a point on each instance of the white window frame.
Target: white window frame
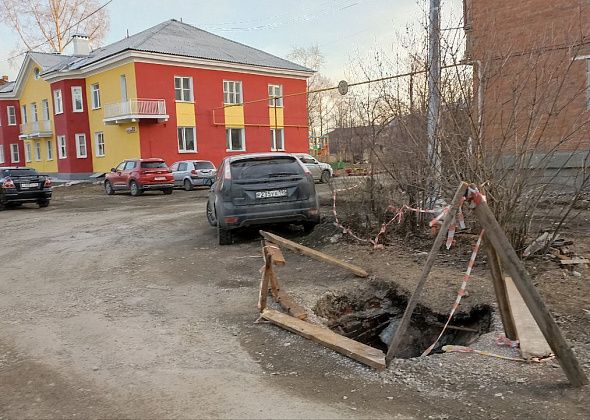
{"x": 37, "y": 150}
{"x": 275, "y": 91}
{"x": 182, "y": 139}
{"x": 79, "y": 153}
{"x": 27, "y": 152}
{"x": 49, "y": 145}
{"x": 45, "y": 109}
{"x": 1, "y": 153}
{"x": 228, "y": 143}
{"x": 34, "y": 114}
{"x": 11, "y": 116}
{"x": 58, "y": 102}
{"x": 77, "y": 90}
{"x": 99, "y": 144}
{"x": 23, "y": 113}
{"x": 232, "y": 92}
{"x": 273, "y": 139}
{"x": 14, "y": 152}
{"x": 182, "y": 90}
{"x": 62, "y": 150}
{"x": 95, "y": 95}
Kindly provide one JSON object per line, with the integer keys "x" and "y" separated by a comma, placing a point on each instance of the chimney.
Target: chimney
{"x": 4, "y": 80}
{"x": 81, "y": 44}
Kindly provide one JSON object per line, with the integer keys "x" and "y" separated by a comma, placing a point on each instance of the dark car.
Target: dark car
{"x": 259, "y": 189}
{"x": 23, "y": 185}
{"x": 139, "y": 175}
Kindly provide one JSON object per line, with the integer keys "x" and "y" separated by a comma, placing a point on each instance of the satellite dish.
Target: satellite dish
{"x": 343, "y": 87}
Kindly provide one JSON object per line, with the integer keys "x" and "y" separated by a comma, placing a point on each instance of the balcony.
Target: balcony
{"x": 36, "y": 130}
{"x": 134, "y": 110}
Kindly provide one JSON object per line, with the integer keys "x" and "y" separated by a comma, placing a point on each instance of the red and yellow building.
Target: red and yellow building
{"x": 172, "y": 91}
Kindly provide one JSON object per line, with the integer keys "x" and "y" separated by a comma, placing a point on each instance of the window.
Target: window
{"x": 1, "y": 153}
{"x": 81, "y": 146}
{"x": 77, "y": 105}
{"x": 275, "y": 91}
{"x": 95, "y": 95}
{"x": 99, "y": 144}
{"x": 186, "y": 139}
{"x": 183, "y": 88}
{"x": 61, "y": 147}
{"x": 235, "y": 139}
{"x": 23, "y": 113}
{"x": 182, "y": 166}
{"x": 123, "y": 86}
{"x": 14, "y": 155}
{"x": 232, "y": 92}
{"x": 11, "y": 115}
{"x": 58, "y": 103}
{"x": 49, "y": 150}
{"x": 129, "y": 165}
{"x": 36, "y": 73}
{"x": 45, "y": 109}
{"x": 34, "y": 114}
{"x": 277, "y": 139}
{"x": 37, "y": 151}
{"x": 27, "y": 152}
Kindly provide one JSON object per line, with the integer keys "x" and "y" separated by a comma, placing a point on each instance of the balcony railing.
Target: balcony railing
{"x": 135, "y": 109}
{"x": 36, "y": 129}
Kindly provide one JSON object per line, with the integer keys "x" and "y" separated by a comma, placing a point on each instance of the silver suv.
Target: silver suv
{"x": 322, "y": 172}
{"x": 191, "y": 173}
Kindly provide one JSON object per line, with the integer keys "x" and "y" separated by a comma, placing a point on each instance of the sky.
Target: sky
{"x": 341, "y": 28}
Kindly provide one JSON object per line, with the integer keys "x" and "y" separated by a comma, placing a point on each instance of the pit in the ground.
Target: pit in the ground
{"x": 371, "y": 314}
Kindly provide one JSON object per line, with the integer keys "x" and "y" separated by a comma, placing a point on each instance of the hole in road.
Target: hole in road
{"x": 371, "y": 315}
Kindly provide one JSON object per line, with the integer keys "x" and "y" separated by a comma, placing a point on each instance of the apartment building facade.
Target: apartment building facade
{"x": 172, "y": 91}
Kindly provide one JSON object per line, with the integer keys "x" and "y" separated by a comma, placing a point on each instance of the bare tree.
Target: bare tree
{"x": 47, "y": 25}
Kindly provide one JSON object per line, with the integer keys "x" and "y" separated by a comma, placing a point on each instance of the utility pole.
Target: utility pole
{"x": 434, "y": 149}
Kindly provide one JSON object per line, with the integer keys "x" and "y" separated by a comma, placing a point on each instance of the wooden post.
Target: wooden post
{"x": 501, "y": 294}
{"x": 263, "y": 293}
{"x": 515, "y": 268}
{"x": 440, "y": 239}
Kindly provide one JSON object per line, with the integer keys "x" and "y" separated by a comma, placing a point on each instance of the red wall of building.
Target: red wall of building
{"x": 9, "y": 133}
{"x": 160, "y": 139}
{"x": 70, "y": 123}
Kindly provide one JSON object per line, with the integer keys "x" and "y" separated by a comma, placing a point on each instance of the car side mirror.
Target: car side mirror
{"x": 113, "y": 170}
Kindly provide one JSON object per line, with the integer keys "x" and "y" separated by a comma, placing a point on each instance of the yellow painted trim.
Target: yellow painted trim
{"x": 185, "y": 114}
{"x": 280, "y": 119}
{"x": 234, "y": 116}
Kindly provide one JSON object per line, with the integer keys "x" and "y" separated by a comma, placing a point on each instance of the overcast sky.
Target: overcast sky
{"x": 339, "y": 27}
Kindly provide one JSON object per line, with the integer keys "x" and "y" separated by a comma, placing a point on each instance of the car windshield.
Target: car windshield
{"x": 19, "y": 172}
{"x": 265, "y": 167}
{"x": 152, "y": 165}
{"x": 204, "y": 165}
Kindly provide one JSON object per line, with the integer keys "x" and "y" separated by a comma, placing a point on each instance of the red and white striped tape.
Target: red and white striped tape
{"x": 461, "y": 292}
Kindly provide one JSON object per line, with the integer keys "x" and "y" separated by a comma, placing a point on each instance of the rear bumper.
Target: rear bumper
{"x": 25, "y": 196}
{"x": 157, "y": 186}
{"x": 202, "y": 180}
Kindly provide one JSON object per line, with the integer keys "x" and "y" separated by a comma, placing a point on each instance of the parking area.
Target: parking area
{"x": 120, "y": 306}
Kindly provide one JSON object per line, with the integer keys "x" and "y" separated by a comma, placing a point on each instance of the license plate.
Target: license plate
{"x": 33, "y": 185}
{"x": 271, "y": 193}
{"x": 160, "y": 178}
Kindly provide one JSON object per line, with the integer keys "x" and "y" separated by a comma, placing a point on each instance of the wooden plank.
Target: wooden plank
{"x": 263, "y": 292}
{"x": 277, "y": 255}
{"x": 312, "y": 253}
{"x": 396, "y": 339}
{"x": 575, "y": 261}
{"x": 350, "y": 348}
{"x": 515, "y": 268}
{"x": 289, "y": 305}
{"x": 501, "y": 294}
{"x": 532, "y": 342}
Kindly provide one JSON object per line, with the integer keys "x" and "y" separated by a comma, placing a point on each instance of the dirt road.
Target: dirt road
{"x": 126, "y": 307}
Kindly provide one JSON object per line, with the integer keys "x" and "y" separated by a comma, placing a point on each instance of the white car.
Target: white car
{"x": 321, "y": 172}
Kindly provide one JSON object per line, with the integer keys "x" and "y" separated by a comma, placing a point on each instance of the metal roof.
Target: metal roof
{"x": 180, "y": 39}
{"x": 7, "y": 87}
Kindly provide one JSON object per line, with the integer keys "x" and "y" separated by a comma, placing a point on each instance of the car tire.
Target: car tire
{"x": 2, "y": 205}
{"x": 108, "y": 188}
{"x": 225, "y": 236}
{"x": 188, "y": 186}
{"x": 134, "y": 189}
{"x": 43, "y": 203}
{"x": 308, "y": 227}
{"x": 325, "y": 178}
{"x": 211, "y": 215}
{"x": 167, "y": 191}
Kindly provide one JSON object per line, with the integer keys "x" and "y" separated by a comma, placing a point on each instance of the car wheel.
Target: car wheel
{"x": 134, "y": 189}
{"x": 225, "y": 236}
{"x": 167, "y": 191}
{"x": 188, "y": 186}
{"x": 108, "y": 188}
{"x": 2, "y": 205}
{"x": 211, "y": 215}
{"x": 325, "y": 178}
{"x": 308, "y": 227}
{"x": 43, "y": 203}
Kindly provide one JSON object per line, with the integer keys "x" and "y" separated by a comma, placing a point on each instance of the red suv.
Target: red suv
{"x": 139, "y": 175}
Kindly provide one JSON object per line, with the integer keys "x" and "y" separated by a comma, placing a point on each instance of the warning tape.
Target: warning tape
{"x": 460, "y": 293}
